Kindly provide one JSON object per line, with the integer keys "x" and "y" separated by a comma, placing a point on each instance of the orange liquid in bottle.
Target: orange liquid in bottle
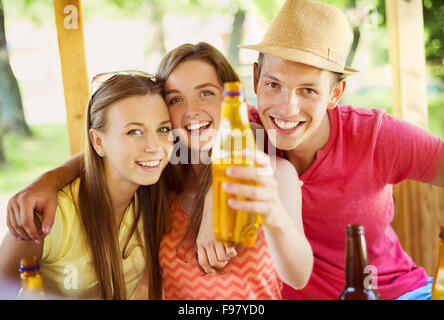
{"x": 232, "y": 226}
{"x": 438, "y": 281}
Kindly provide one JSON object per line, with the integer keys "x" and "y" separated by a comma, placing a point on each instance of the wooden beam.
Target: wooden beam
{"x": 407, "y": 56}
{"x": 69, "y": 21}
{"x": 419, "y": 208}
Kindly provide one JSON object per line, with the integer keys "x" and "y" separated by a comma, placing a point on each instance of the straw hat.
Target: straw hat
{"x": 309, "y": 32}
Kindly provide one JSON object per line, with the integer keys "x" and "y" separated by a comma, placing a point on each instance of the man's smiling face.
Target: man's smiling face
{"x": 292, "y": 99}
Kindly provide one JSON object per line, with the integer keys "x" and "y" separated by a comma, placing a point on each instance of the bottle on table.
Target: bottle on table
{"x": 438, "y": 281}
{"x": 357, "y": 285}
{"x": 31, "y": 280}
{"x": 232, "y": 226}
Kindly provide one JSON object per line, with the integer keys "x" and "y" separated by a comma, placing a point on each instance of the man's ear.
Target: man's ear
{"x": 96, "y": 140}
{"x": 336, "y": 93}
{"x": 255, "y": 76}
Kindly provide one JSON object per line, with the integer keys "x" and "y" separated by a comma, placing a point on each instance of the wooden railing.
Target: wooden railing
{"x": 419, "y": 208}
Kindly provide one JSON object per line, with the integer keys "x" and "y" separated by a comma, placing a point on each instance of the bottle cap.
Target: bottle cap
{"x": 232, "y": 89}
{"x": 355, "y": 229}
{"x": 29, "y": 264}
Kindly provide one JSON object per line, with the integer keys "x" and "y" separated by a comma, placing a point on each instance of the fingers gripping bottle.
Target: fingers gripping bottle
{"x": 234, "y": 134}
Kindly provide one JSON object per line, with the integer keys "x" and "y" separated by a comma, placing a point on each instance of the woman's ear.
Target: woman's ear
{"x": 96, "y": 139}
{"x": 336, "y": 93}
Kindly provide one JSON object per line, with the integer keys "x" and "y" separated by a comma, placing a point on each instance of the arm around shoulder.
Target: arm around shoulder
{"x": 40, "y": 196}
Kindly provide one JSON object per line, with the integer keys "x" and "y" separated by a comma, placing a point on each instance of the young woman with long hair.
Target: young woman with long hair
{"x": 108, "y": 223}
{"x": 193, "y": 78}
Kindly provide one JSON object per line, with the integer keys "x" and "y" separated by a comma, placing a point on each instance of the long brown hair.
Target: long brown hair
{"x": 95, "y": 204}
{"x": 225, "y": 73}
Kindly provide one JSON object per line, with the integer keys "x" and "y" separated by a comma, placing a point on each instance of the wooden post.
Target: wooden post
{"x": 69, "y": 21}
{"x": 419, "y": 208}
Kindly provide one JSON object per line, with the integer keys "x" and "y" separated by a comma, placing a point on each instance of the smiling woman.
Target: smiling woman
{"x": 129, "y": 144}
{"x": 193, "y": 100}
{"x": 193, "y": 76}
{"x": 113, "y": 210}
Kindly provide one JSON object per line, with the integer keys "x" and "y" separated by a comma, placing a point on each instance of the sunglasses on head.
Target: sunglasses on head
{"x": 101, "y": 78}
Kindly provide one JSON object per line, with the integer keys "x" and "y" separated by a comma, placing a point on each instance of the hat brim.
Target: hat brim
{"x": 300, "y": 56}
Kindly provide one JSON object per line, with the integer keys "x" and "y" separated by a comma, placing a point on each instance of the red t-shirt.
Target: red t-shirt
{"x": 350, "y": 182}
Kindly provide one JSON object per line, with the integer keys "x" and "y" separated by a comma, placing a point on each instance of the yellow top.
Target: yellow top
{"x": 66, "y": 262}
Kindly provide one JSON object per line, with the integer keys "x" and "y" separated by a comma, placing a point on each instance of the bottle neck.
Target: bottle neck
{"x": 235, "y": 109}
{"x": 356, "y": 261}
{"x": 234, "y": 132}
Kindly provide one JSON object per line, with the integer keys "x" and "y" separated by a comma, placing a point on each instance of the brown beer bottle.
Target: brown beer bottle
{"x": 438, "y": 282}
{"x": 31, "y": 280}
{"x": 356, "y": 287}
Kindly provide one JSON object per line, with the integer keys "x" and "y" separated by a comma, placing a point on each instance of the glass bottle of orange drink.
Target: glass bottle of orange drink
{"x": 234, "y": 134}
{"x": 438, "y": 281}
{"x": 31, "y": 280}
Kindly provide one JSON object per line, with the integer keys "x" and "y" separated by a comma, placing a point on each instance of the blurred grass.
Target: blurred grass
{"x": 28, "y": 157}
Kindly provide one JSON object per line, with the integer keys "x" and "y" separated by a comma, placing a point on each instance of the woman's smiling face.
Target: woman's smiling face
{"x": 136, "y": 140}
{"x": 194, "y": 95}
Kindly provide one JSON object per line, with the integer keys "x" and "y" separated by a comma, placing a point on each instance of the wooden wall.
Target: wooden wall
{"x": 419, "y": 208}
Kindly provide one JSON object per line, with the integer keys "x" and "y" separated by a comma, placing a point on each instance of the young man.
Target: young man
{"x": 347, "y": 158}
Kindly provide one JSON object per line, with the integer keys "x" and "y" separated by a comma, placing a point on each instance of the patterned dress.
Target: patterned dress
{"x": 250, "y": 275}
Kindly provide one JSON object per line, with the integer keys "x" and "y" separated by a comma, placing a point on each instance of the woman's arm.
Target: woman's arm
{"x": 279, "y": 200}
{"x": 11, "y": 251}
{"x": 40, "y": 196}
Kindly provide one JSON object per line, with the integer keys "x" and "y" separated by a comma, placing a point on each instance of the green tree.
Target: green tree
{"x": 12, "y": 118}
{"x": 236, "y": 36}
{"x": 154, "y": 11}
{"x": 356, "y": 37}
{"x": 11, "y": 108}
{"x": 433, "y": 12}
{"x": 434, "y": 28}
{"x": 267, "y": 8}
